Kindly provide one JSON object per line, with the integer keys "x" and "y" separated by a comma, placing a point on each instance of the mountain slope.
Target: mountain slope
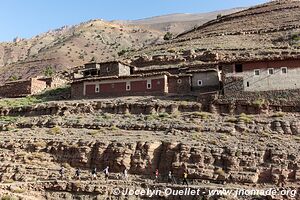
{"x": 178, "y": 23}
{"x": 68, "y": 47}
{"x": 270, "y": 29}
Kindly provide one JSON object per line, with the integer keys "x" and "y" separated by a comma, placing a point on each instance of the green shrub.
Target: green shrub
{"x": 168, "y": 36}
{"x": 163, "y": 115}
{"x": 259, "y": 102}
{"x": 245, "y": 118}
{"x": 8, "y": 181}
{"x": 55, "y": 130}
{"x": 202, "y": 115}
{"x": 231, "y": 120}
{"x": 278, "y": 114}
{"x": 113, "y": 128}
{"x": 8, "y": 197}
{"x": 49, "y": 71}
{"x": 220, "y": 172}
{"x": 14, "y": 78}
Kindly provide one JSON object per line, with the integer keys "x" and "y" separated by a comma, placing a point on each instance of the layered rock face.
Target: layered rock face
{"x": 217, "y": 150}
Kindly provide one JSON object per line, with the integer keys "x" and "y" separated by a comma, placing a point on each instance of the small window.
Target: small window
{"x": 107, "y": 69}
{"x": 256, "y": 72}
{"x": 238, "y": 68}
{"x": 128, "y": 86}
{"x": 149, "y": 85}
{"x": 271, "y": 71}
{"x": 179, "y": 81}
{"x": 284, "y": 70}
{"x": 199, "y": 82}
{"x": 158, "y": 82}
{"x": 248, "y": 84}
{"x": 97, "y": 89}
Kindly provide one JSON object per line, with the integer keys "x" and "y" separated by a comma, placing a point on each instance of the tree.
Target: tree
{"x": 219, "y": 16}
{"x": 168, "y": 36}
{"x": 93, "y": 59}
{"x": 14, "y": 77}
{"x": 49, "y": 71}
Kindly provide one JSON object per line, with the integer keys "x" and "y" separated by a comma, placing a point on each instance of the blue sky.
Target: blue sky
{"x": 27, "y": 18}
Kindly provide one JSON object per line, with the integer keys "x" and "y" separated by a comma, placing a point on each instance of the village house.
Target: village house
{"x": 206, "y": 80}
{"x": 112, "y": 79}
{"x": 53, "y": 82}
{"x": 113, "y": 68}
{"x": 261, "y": 75}
{"x": 231, "y": 78}
{"x": 21, "y": 88}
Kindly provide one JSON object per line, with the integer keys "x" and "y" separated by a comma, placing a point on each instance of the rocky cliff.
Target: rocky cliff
{"x": 216, "y": 149}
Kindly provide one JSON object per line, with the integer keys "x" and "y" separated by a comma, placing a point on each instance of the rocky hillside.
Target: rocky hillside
{"x": 270, "y": 29}
{"x": 144, "y": 134}
{"x": 96, "y": 40}
{"x": 68, "y": 47}
{"x": 179, "y": 23}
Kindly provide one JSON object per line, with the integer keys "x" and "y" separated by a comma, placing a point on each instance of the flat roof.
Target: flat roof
{"x": 261, "y": 59}
{"x": 120, "y": 77}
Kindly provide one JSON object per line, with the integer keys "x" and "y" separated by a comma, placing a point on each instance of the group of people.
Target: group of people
{"x": 78, "y": 173}
{"x": 171, "y": 178}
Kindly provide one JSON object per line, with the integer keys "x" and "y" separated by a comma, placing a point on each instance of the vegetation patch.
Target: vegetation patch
{"x": 245, "y": 118}
{"x": 8, "y": 197}
{"x": 54, "y": 131}
{"x": 48, "y": 95}
{"x": 259, "y": 103}
{"x": 202, "y": 115}
{"x": 163, "y": 115}
{"x": 8, "y": 119}
{"x": 278, "y": 114}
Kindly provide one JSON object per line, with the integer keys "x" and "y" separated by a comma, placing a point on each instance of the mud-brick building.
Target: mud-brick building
{"x": 205, "y": 80}
{"x": 117, "y": 79}
{"x": 261, "y": 75}
{"x": 53, "y": 82}
{"x": 113, "y": 68}
{"x": 22, "y": 88}
{"x": 143, "y": 84}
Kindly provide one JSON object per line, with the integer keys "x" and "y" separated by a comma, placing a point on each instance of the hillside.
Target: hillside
{"x": 95, "y": 40}
{"x": 68, "y": 47}
{"x": 181, "y": 22}
{"x": 270, "y": 29}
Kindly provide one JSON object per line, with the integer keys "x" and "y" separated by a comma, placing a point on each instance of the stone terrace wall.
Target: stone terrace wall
{"x": 274, "y": 94}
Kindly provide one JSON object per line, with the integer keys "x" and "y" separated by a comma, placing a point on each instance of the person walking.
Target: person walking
{"x": 106, "y": 172}
{"x": 185, "y": 176}
{"x": 156, "y": 175}
{"x": 77, "y": 174}
{"x": 94, "y": 173}
{"x": 170, "y": 178}
{"x": 62, "y": 172}
{"x": 125, "y": 175}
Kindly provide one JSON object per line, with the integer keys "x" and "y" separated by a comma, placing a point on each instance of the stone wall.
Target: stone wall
{"x": 53, "y": 82}
{"x": 77, "y": 90}
{"x": 179, "y": 85}
{"x": 22, "y": 88}
{"x": 124, "y": 70}
{"x": 37, "y": 86}
{"x": 233, "y": 85}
